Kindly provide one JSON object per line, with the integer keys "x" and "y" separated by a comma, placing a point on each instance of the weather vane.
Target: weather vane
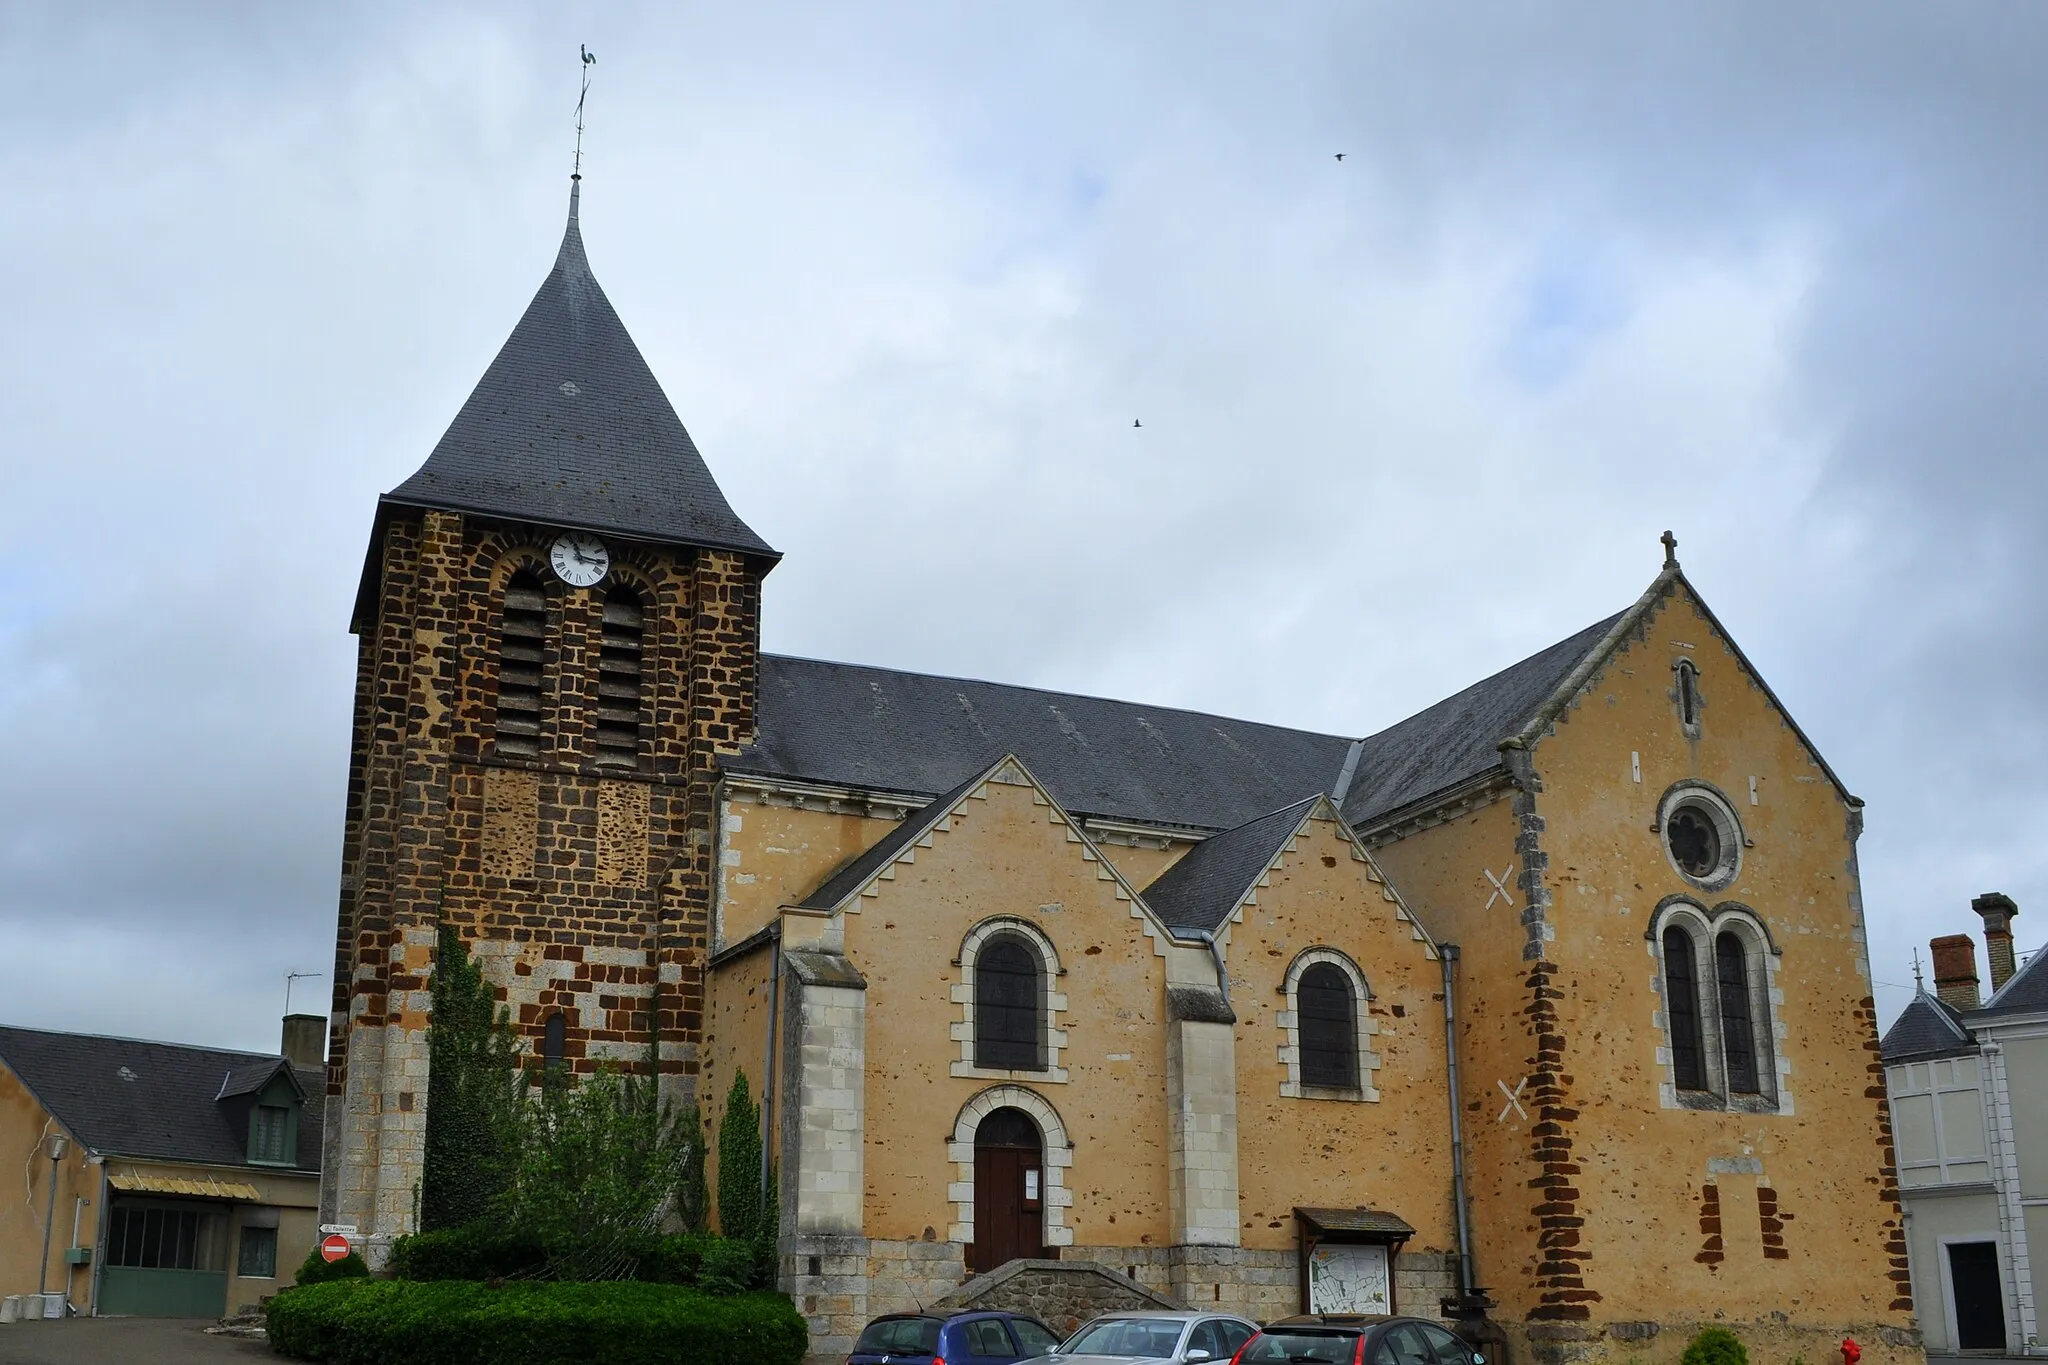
{"x": 589, "y": 60}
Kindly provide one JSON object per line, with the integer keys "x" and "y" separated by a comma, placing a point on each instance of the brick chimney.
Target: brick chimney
{"x": 305, "y": 1039}
{"x": 1997, "y": 908}
{"x": 1955, "y": 970}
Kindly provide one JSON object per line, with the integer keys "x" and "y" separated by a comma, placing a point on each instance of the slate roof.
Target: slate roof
{"x": 1458, "y": 738}
{"x": 2025, "y": 992}
{"x": 129, "y": 1097}
{"x": 851, "y": 877}
{"x": 569, "y": 427}
{"x": 1201, "y": 890}
{"x": 1927, "y": 1027}
{"x": 884, "y": 729}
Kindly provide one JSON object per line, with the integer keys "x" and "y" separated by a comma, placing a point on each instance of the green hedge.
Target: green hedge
{"x": 317, "y": 1269}
{"x": 373, "y": 1322}
{"x": 718, "y": 1264}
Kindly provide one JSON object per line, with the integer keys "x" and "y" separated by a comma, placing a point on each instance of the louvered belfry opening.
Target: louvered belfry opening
{"x": 1329, "y": 1030}
{"x": 522, "y": 658}
{"x": 618, "y": 679}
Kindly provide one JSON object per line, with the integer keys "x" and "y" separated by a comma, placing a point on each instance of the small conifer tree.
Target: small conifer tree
{"x": 472, "y": 1094}
{"x": 739, "y": 1164}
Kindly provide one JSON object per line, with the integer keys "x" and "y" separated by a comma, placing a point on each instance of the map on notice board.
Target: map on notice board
{"x": 1348, "y": 1279}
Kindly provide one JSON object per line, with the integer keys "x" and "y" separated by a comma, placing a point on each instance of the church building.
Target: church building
{"x": 1547, "y": 1008}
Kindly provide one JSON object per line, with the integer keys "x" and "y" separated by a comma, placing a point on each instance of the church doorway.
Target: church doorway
{"x": 1974, "y": 1289}
{"x": 1009, "y": 1191}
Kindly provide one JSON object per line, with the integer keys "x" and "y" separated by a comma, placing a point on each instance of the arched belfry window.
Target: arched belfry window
{"x": 1329, "y": 1028}
{"x": 522, "y": 660}
{"x": 1009, "y": 1006}
{"x": 1682, "y": 1010}
{"x": 1738, "y": 1026}
{"x": 618, "y": 678}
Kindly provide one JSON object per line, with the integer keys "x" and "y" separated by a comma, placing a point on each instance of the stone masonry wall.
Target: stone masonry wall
{"x": 583, "y": 887}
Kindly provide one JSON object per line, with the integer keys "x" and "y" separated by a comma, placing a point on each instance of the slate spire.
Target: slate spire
{"x": 568, "y": 427}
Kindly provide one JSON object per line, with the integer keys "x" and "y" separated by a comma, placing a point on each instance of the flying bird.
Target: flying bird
{"x": 1340, "y": 156}
{"x": 1136, "y": 423}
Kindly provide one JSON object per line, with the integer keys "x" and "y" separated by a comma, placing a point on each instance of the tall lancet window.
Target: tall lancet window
{"x": 1738, "y": 1028}
{"x": 522, "y": 659}
{"x": 618, "y": 679}
{"x": 1682, "y": 1010}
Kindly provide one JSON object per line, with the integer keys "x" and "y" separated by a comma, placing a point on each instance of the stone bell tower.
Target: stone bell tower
{"x": 559, "y": 625}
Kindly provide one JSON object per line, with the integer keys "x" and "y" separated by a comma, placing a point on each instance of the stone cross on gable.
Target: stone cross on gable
{"x": 1670, "y": 550}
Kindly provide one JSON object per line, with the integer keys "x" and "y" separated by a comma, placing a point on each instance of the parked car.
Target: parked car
{"x": 1150, "y": 1338}
{"x": 1342, "y": 1339}
{"x": 951, "y": 1339}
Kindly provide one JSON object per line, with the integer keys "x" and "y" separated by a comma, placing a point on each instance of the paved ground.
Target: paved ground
{"x": 124, "y": 1341}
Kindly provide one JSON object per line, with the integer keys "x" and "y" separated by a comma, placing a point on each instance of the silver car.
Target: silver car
{"x": 1152, "y": 1339}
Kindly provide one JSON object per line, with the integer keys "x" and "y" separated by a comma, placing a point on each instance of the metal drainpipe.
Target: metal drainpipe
{"x": 1447, "y": 954}
{"x": 1216, "y": 953}
{"x": 99, "y": 1247}
{"x": 768, "y": 1074}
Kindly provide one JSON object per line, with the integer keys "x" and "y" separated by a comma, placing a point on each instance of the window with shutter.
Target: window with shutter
{"x": 522, "y": 656}
{"x": 618, "y": 679}
{"x": 1682, "y": 1010}
{"x": 1329, "y": 1028}
{"x": 1008, "y": 1007}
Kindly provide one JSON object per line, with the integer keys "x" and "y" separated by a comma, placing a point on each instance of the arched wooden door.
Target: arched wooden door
{"x": 1009, "y": 1191}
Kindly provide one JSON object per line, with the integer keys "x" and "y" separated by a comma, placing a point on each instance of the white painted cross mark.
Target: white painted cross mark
{"x": 1500, "y": 886}
{"x": 1514, "y": 1104}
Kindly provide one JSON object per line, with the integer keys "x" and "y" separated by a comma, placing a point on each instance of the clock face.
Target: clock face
{"x": 579, "y": 559}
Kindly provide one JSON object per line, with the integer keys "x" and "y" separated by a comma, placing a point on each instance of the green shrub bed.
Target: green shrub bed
{"x": 454, "y": 1322}
{"x": 718, "y": 1265}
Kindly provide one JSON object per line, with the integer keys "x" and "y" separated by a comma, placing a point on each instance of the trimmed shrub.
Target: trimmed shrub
{"x": 739, "y": 1163}
{"x": 1715, "y": 1346}
{"x": 317, "y": 1269}
{"x": 370, "y": 1322}
{"x": 478, "y": 1252}
{"x": 715, "y": 1264}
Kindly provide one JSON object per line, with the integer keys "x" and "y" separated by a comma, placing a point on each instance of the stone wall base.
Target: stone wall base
{"x": 826, "y": 1277}
{"x": 1774, "y": 1340}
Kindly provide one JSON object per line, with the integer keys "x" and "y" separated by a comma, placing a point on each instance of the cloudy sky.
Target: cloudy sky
{"x": 909, "y": 273}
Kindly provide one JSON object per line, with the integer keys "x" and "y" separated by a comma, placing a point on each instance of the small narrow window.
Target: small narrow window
{"x": 1688, "y": 695}
{"x": 1682, "y": 1008}
{"x": 618, "y": 679}
{"x": 554, "y": 1042}
{"x": 258, "y": 1259}
{"x": 1008, "y": 1001}
{"x": 269, "y": 1133}
{"x": 522, "y": 654}
{"x": 1738, "y": 1030}
{"x": 1329, "y": 1028}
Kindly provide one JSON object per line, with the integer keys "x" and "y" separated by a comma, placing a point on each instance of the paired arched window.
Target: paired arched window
{"x": 522, "y": 661}
{"x": 1717, "y": 1004}
{"x": 1009, "y": 1006}
{"x": 1329, "y": 1028}
{"x": 618, "y": 678}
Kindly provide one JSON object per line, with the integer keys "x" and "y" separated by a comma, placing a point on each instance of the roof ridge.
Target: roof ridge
{"x": 150, "y": 1042}
{"x": 1057, "y": 692}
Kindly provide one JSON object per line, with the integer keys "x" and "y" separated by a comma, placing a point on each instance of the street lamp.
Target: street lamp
{"x": 57, "y": 1145}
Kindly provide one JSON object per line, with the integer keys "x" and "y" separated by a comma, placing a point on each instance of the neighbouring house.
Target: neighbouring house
{"x": 1020, "y": 975}
{"x": 1969, "y": 1092}
{"x": 157, "y": 1179}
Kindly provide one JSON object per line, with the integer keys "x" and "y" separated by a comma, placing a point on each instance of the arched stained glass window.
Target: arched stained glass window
{"x": 1738, "y": 1025}
{"x": 1328, "y": 1024}
{"x": 1009, "y": 1004}
{"x": 1682, "y": 1009}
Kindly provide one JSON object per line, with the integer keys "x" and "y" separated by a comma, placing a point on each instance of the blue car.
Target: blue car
{"x": 957, "y": 1339}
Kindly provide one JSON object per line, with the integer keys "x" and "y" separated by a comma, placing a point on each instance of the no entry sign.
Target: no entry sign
{"x": 334, "y": 1248}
